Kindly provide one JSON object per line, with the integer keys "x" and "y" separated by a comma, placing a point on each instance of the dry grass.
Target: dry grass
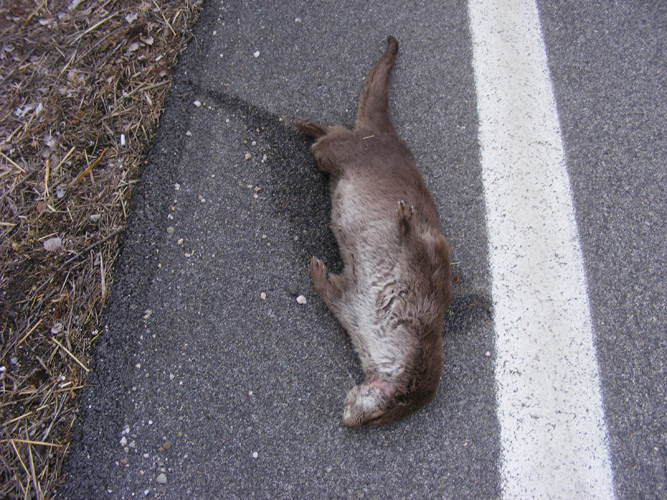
{"x": 81, "y": 90}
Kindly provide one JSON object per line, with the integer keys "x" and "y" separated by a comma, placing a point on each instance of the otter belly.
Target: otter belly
{"x": 370, "y": 246}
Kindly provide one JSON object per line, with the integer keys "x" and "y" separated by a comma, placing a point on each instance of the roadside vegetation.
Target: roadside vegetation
{"x": 82, "y": 85}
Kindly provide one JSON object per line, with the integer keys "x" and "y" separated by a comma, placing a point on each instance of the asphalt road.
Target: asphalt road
{"x": 229, "y": 395}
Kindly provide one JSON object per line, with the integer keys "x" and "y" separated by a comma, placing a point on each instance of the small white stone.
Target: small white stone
{"x": 248, "y": 156}
{"x": 133, "y": 47}
{"x": 487, "y": 354}
{"x": 255, "y": 454}
{"x": 262, "y": 296}
{"x": 256, "y": 53}
{"x": 301, "y": 299}
{"x": 52, "y": 244}
{"x": 123, "y": 441}
{"x": 162, "y": 478}
{"x": 188, "y": 133}
{"x": 197, "y": 103}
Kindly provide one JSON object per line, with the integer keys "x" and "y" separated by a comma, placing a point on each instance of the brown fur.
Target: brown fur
{"x": 395, "y": 286}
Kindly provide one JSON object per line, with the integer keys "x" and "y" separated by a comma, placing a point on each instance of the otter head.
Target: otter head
{"x": 367, "y": 403}
{"x": 378, "y": 402}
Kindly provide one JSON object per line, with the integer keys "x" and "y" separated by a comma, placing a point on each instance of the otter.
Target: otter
{"x": 394, "y": 288}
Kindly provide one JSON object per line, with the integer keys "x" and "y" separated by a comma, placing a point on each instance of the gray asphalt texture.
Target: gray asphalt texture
{"x": 249, "y": 392}
{"x": 609, "y": 68}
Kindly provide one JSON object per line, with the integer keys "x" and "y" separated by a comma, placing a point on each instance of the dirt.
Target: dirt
{"x": 82, "y": 85}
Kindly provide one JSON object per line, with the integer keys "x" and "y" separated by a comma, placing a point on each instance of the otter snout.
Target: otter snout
{"x": 367, "y": 403}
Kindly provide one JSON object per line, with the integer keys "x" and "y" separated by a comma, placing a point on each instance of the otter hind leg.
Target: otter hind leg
{"x": 312, "y": 129}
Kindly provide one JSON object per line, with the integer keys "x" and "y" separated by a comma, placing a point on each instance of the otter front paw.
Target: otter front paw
{"x": 318, "y": 271}
{"x": 405, "y": 213}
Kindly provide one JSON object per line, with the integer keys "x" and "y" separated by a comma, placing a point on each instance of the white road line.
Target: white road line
{"x": 553, "y": 436}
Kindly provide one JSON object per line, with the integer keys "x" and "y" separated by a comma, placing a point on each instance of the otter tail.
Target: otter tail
{"x": 373, "y": 112}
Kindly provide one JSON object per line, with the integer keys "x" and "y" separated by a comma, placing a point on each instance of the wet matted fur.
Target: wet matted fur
{"x": 395, "y": 286}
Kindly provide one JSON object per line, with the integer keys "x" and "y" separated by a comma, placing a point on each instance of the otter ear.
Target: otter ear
{"x": 383, "y": 385}
{"x": 311, "y": 128}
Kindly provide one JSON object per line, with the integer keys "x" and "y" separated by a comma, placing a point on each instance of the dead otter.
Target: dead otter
{"x": 395, "y": 286}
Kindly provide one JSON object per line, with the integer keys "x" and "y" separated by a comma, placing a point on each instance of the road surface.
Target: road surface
{"x": 211, "y": 381}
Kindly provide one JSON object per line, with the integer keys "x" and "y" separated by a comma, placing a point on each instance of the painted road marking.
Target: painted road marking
{"x": 553, "y": 435}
